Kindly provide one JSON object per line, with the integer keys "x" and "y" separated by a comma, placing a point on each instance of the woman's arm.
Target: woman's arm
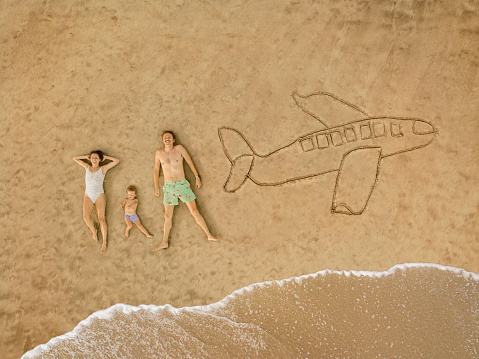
{"x": 113, "y": 163}
{"x": 78, "y": 159}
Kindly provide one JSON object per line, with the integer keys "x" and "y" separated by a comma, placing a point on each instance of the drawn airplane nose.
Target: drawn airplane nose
{"x": 420, "y": 127}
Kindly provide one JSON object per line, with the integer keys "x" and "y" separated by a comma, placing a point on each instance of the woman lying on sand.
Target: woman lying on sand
{"x": 94, "y": 195}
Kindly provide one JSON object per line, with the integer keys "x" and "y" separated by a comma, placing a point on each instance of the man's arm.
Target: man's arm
{"x": 156, "y": 173}
{"x": 188, "y": 160}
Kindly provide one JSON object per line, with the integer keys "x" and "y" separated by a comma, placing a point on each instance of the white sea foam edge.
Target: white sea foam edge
{"x": 127, "y": 309}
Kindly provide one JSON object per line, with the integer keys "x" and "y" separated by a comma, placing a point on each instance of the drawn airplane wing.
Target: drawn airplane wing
{"x": 328, "y": 109}
{"x": 356, "y": 180}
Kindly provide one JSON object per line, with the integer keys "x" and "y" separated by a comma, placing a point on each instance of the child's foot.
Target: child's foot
{"x": 214, "y": 239}
{"x": 127, "y": 232}
{"x": 103, "y": 247}
{"x": 161, "y": 246}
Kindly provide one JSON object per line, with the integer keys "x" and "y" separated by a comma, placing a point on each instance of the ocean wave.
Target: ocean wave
{"x": 410, "y": 310}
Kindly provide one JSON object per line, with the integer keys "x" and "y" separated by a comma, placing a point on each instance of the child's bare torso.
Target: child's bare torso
{"x": 130, "y": 206}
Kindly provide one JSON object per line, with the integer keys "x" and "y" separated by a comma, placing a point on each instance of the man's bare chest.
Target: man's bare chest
{"x": 171, "y": 158}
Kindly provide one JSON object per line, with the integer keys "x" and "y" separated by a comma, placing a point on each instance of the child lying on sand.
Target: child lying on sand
{"x": 129, "y": 204}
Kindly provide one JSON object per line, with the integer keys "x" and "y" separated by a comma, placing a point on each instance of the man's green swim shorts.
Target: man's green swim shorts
{"x": 179, "y": 189}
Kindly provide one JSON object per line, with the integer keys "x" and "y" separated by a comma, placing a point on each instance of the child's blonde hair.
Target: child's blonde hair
{"x": 132, "y": 189}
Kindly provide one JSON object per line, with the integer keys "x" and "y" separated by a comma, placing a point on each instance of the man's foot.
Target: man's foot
{"x": 161, "y": 246}
{"x": 127, "y": 232}
{"x": 214, "y": 239}
{"x": 103, "y": 248}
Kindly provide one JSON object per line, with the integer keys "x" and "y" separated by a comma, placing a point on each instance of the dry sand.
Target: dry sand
{"x": 104, "y": 75}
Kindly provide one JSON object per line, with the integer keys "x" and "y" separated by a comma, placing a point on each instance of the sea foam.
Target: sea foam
{"x": 409, "y": 310}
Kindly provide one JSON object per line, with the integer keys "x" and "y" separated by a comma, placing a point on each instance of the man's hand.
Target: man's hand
{"x": 198, "y": 182}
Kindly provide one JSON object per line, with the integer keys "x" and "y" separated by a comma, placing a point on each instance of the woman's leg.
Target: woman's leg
{"x": 87, "y": 207}
{"x": 100, "y": 205}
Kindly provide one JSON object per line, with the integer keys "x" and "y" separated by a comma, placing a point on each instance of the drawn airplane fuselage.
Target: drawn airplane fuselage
{"x": 354, "y": 150}
{"x": 322, "y": 152}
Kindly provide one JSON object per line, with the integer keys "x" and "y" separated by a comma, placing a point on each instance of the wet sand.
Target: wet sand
{"x": 412, "y": 310}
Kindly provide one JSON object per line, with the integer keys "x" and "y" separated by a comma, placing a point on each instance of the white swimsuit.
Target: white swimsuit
{"x": 94, "y": 183}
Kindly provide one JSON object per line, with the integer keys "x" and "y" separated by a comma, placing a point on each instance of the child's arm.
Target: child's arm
{"x": 78, "y": 159}
{"x": 134, "y": 204}
{"x": 122, "y": 205}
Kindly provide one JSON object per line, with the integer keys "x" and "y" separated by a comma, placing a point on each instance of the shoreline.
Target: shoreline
{"x": 110, "y": 313}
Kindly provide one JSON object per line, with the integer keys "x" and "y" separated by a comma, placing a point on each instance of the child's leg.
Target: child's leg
{"x": 143, "y": 229}
{"x": 87, "y": 207}
{"x": 128, "y": 227}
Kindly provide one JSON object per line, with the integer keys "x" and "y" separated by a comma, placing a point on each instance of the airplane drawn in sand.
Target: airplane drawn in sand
{"x": 353, "y": 149}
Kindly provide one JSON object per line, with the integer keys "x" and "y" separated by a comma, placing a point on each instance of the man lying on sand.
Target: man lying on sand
{"x": 176, "y": 186}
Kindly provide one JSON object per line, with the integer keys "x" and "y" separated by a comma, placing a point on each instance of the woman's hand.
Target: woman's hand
{"x": 113, "y": 163}
{"x": 78, "y": 159}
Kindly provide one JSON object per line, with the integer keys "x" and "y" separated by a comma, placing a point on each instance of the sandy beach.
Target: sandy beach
{"x": 77, "y": 77}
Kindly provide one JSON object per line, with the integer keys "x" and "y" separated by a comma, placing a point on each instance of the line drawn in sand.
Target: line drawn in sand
{"x": 353, "y": 149}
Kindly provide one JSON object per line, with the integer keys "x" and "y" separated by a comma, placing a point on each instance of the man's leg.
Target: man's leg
{"x": 167, "y": 227}
{"x": 200, "y": 220}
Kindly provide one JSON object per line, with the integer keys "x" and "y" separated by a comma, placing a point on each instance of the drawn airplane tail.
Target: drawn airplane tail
{"x": 240, "y": 154}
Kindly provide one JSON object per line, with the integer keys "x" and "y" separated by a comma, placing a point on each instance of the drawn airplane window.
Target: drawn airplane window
{"x": 379, "y": 129}
{"x": 357, "y": 164}
{"x": 366, "y": 132}
{"x": 350, "y": 134}
{"x": 396, "y": 130}
{"x": 307, "y": 144}
{"x": 336, "y": 138}
{"x": 322, "y": 141}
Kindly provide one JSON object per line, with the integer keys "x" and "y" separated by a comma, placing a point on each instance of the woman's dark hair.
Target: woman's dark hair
{"x": 164, "y": 132}
{"x": 99, "y": 153}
